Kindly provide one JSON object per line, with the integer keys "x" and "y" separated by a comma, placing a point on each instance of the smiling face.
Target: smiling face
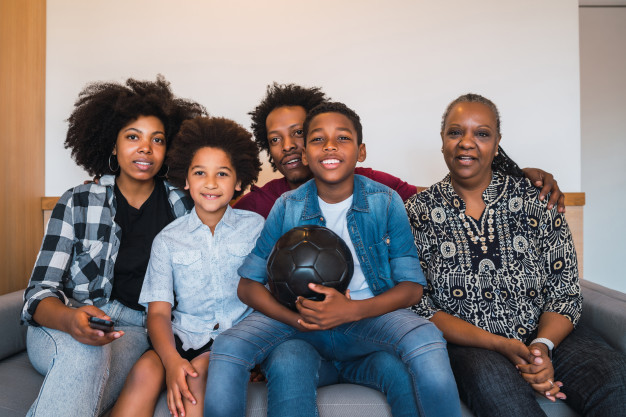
{"x": 211, "y": 181}
{"x": 140, "y": 149}
{"x": 286, "y": 143}
{"x": 332, "y": 152}
{"x": 470, "y": 142}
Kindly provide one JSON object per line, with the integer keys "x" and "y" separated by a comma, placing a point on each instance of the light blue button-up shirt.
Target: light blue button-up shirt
{"x": 198, "y": 270}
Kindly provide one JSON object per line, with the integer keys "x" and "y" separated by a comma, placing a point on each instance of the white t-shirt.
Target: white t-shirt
{"x": 336, "y": 220}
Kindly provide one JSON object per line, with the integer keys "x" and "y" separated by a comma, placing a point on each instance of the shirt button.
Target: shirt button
{"x": 321, "y": 219}
{"x": 217, "y": 326}
{"x": 388, "y": 240}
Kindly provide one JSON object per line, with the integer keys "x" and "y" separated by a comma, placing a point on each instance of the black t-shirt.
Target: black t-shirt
{"x": 139, "y": 227}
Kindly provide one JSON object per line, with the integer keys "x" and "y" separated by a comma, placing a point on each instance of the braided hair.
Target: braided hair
{"x": 501, "y": 162}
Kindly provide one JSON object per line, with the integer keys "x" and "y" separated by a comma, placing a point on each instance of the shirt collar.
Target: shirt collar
{"x": 228, "y": 219}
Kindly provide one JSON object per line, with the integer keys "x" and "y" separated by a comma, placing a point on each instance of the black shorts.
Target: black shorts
{"x": 186, "y": 354}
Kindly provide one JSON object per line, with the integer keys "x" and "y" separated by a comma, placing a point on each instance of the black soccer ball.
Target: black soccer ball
{"x": 308, "y": 254}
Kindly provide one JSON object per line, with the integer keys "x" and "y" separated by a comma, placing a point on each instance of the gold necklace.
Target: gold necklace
{"x": 479, "y": 236}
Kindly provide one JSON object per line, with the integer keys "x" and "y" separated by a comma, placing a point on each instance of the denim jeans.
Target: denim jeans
{"x": 593, "y": 376}
{"x": 416, "y": 341}
{"x": 288, "y": 390}
{"x": 84, "y": 380}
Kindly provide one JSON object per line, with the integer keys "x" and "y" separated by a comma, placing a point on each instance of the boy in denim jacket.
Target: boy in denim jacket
{"x": 371, "y": 316}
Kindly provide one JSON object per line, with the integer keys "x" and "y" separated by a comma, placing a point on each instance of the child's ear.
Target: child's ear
{"x": 362, "y": 153}
{"x": 186, "y": 184}
{"x": 238, "y": 186}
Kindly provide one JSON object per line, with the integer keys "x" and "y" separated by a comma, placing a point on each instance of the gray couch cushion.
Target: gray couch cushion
{"x": 14, "y": 334}
{"x": 19, "y": 385}
{"x": 604, "y": 311}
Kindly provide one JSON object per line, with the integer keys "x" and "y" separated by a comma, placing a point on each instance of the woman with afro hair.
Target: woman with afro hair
{"x": 97, "y": 244}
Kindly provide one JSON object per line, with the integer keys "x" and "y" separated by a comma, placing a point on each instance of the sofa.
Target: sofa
{"x": 604, "y": 310}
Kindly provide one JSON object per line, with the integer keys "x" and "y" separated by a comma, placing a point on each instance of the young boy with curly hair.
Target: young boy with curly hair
{"x": 387, "y": 278}
{"x": 190, "y": 288}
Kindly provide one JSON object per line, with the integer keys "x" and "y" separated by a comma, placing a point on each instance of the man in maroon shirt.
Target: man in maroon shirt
{"x": 277, "y": 127}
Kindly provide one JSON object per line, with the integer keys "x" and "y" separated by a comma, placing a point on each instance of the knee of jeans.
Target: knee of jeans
{"x": 68, "y": 352}
{"x": 422, "y": 340}
{"x": 292, "y": 356}
{"x": 228, "y": 347}
{"x": 394, "y": 373}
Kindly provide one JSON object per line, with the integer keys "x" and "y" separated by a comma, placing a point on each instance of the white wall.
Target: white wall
{"x": 397, "y": 63}
{"x": 603, "y": 112}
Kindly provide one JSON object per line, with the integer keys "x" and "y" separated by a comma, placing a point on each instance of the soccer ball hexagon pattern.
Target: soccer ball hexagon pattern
{"x": 308, "y": 254}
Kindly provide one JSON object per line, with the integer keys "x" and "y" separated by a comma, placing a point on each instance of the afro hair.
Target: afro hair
{"x": 214, "y": 132}
{"x": 104, "y": 108}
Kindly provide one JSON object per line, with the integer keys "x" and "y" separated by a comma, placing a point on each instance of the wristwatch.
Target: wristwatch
{"x": 546, "y": 342}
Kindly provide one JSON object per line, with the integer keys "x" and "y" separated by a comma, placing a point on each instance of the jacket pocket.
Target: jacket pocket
{"x": 380, "y": 254}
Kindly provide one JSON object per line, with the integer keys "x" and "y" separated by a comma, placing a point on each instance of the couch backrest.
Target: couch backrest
{"x": 12, "y": 334}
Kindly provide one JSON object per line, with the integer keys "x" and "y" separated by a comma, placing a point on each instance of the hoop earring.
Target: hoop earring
{"x": 110, "y": 167}
{"x": 167, "y": 171}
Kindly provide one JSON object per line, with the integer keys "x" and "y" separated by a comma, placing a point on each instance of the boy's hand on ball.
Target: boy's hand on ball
{"x": 335, "y": 310}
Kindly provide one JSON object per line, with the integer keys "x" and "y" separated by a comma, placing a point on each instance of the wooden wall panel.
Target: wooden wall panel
{"x": 22, "y": 135}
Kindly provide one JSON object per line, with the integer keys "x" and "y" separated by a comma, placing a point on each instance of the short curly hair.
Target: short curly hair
{"x": 335, "y": 107}
{"x": 104, "y": 108}
{"x": 281, "y": 95}
{"x": 214, "y": 132}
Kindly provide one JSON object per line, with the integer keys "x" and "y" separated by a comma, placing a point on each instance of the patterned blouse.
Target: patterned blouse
{"x": 502, "y": 271}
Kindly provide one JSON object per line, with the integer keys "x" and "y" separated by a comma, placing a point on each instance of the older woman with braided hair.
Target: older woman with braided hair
{"x": 503, "y": 281}
{"x": 97, "y": 244}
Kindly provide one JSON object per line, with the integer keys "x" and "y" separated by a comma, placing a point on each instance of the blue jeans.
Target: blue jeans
{"x": 84, "y": 380}
{"x": 593, "y": 376}
{"x": 416, "y": 341}
{"x": 288, "y": 390}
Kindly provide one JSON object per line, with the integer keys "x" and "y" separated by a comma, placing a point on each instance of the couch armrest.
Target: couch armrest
{"x": 12, "y": 334}
{"x": 604, "y": 310}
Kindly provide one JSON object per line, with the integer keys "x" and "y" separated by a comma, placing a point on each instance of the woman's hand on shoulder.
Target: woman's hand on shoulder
{"x": 176, "y": 372}
{"x": 539, "y": 373}
{"x": 78, "y": 327}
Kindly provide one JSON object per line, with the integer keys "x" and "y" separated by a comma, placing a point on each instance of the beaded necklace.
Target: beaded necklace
{"x": 469, "y": 224}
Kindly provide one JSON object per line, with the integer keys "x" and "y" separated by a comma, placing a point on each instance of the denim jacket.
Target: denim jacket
{"x": 378, "y": 227}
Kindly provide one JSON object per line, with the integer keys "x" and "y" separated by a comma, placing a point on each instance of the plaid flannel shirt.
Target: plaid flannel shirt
{"x": 79, "y": 248}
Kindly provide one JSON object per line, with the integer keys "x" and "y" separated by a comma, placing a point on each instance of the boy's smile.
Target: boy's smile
{"x": 332, "y": 151}
{"x": 211, "y": 181}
